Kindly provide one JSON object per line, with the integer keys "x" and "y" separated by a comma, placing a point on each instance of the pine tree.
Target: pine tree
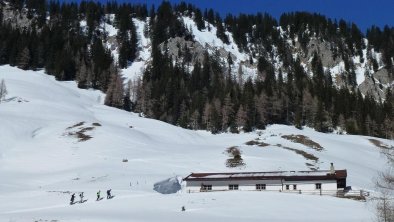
{"x": 199, "y": 20}
{"x": 23, "y": 59}
{"x": 241, "y": 117}
{"x": 341, "y": 124}
{"x": 307, "y": 107}
{"x": 261, "y": 108}
{"x": 127, "y": 104}
{"x": 298, "y": 118}
{"x": 220, "y": 31}
{"x": 127, "y": 36}
{"x": 240, "y": 75}
{"x": 227, "y": 112}
{"x": 230, "y": 63}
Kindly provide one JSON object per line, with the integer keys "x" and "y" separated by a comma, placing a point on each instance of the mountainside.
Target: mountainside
{"x": 57, "y": 139}
{"x": 197, "y": 70}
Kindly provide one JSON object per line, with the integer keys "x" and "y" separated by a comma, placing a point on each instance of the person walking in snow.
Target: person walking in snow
{"x": 98, "y": 195}
{"x": 109, "y": 194}
{"x": 81, "y": 196}
{"x": 72, "y": 198}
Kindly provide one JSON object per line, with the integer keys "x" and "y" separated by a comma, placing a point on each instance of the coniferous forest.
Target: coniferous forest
{"x": 203, "y": 94}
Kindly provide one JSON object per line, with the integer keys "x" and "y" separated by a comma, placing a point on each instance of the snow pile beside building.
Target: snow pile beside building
{"x": 168, "y": 186}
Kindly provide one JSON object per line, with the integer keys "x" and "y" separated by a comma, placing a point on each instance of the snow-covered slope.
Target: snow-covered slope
{"x": 56, "y": 139}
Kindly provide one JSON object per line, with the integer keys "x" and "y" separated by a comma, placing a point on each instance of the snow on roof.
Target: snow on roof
{"x": 321, "y": 174}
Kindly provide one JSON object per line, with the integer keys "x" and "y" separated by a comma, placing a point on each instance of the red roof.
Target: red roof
{"x": 286, "y": 175}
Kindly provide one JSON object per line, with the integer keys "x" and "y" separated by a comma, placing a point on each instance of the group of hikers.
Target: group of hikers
{"x": 81, "y": 196}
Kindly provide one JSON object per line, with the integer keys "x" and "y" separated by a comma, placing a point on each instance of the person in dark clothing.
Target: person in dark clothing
{"x": 109, "y": 194}
{"x": 72, "y": 198}
{"x": 81, "y": 196}
{"x": 98, "y": 195}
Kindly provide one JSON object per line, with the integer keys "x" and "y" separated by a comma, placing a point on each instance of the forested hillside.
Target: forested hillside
{"x": 207, "y": 72}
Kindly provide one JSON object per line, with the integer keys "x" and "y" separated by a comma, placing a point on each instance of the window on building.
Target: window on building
{"x": 294, "y": 187}
{"x": 287, "y": 187}
{"x": 260, "y": 186}
{"x": 233, "y": 187}
{"x": 318, "y": 186}
{"x": 206, "y": 187}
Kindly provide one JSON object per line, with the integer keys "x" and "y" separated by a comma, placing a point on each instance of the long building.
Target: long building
{"x": 291, "y": 181}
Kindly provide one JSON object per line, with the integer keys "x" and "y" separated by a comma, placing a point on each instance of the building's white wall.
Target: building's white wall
{"x": 311, "y": 185}
{"x": 268, "y": 187}
{"x": 271, "y": 185}
{"x": 247, "y": 185}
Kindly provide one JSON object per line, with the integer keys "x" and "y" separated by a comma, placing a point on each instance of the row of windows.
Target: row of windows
{"x": 294, "y": 187}
{"x": 206, "y": 187}
{"x": 317, "y": 186}
{"x": 258, "y": 187}
{"x": 233, "y": 187}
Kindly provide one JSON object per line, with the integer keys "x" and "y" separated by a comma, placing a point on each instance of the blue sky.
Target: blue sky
{"x": 364, "y": 13}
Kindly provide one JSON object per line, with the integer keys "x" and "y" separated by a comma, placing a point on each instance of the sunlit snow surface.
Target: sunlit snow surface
{"x": 41, "y": 161}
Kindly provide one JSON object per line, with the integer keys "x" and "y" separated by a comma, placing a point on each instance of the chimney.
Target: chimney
{"x": 332, "y": 169}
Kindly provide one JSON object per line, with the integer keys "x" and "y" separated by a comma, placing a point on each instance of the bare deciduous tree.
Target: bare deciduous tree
{"x": 385, "y": 185}
{"x": 3, "y": 90}
{"x": 194, "y": 120}
{"x": 115, "y": 92}
{"x": 241, "y": 117}
{"x": 261, "y": 107}
{"x": 207, "y": 115}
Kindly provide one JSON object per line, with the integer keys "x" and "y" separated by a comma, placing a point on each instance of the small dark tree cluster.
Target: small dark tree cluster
{"x": 383, "y": 41}
{"x": 127, "y": 36}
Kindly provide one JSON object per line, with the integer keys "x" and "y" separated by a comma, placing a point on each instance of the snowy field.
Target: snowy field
{"x": 56, "y": 139}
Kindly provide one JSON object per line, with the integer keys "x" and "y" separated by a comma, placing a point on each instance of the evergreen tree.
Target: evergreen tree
{"x": 127, "y": 104}
{"x": 241, "y": 117}
{"x": 220, "y": 31}
{"x": 227, "y": 113}
{"x": 23, "y": 59}
{"x": 199, "y": 20}
{"x": 127, "y": 36}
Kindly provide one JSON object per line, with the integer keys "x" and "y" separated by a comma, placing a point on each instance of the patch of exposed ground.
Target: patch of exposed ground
{"x": 256, "y": 143}
{"x": 308, "y": 156}
{"x": 75, "y": 125}
{"x": 235, "y": 159}
{"x": 80, "y": 131}
{"x": 303, "y": 140}
{"x": 380, "y": 144}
